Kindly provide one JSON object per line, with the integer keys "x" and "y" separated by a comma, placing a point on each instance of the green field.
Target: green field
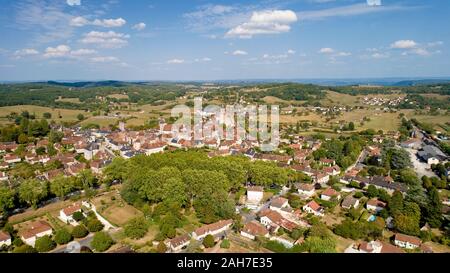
{"x": 66, "y": 114}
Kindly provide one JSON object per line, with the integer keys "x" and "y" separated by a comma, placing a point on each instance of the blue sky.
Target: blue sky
{"x": 212, "y": 40}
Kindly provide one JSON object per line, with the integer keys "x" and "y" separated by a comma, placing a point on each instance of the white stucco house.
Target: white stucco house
{"x": 34, "y": 231}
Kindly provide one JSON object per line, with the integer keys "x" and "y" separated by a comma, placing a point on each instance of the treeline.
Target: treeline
{"x": 421, "y": 102}
{"x": 289, "y": 91}
{"x": 191, "y": 179}
{"x": 43, "y": 94}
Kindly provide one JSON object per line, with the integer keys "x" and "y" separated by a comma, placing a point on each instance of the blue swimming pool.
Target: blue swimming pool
{"x": 372, "y": 218}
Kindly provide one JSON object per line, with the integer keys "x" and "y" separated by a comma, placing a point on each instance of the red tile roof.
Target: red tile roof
{"x": 36, "y": 228}
{"x": 313, "y": 205}
{"x": 212, "y": 227}
{"x": 330, "y": 192}
{"x": 70, "y": 210}
{"x": 254, "y": 228}
{"x": 406, "y": 238}
{"x": 4, "y": 236}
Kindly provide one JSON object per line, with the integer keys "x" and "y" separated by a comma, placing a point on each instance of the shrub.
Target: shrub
{"x": 24, "y": 249}
{"x": 78, "y": 216}
{"x": 358, "y": 194}
{"x": 209, "y": 241}
{"x": 136, "y": 228}
{"x": 225, "y": 244}
{"x": 94, "y": 225}
{"x": 297, "y": 233}
{"x": 102, "y": 241}
{"x": 17, "y": 242}
{"x": 44, "y": 244}
{"x": 62, "y": 237}
{"x": 79, "y": 231}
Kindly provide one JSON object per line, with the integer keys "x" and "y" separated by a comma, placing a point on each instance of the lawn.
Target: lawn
{"x": 118, "y": 96}
{"x": 71, "y": 100}
{"x": 102, "y": 121}
{"x": 33, "y": 214}
{"x": 115, "y": 209}
{"x": 334, "y": 98}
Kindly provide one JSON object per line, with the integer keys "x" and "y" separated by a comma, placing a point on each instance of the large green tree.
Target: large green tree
{"x": 433, "y": 210}
{"x": 61, "y": 186}
{"x": 32, "y": 191}
{"x": 6, "y": 199}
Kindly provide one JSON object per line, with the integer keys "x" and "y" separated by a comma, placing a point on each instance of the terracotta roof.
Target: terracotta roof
{"x": 313, "y": 205}
{"x": 327, "y": 161}
{"x": 376, "y": 203}
{"x": 271, "y": 214}
{"x": 388, "y": 248}
{"x": 255, "y": 188}
{"x": 70, "y": 210}
{"x": 278, "y": 202}
{"x": 36, "y": 228}
{"x": 406, "y": 238}
{"x": 330, "y": 192}
{"x": 254, "y": 228}
{"x": 276, "y": 218}
{"x": 4, "y": 236}
{"x": 212, "y": 227}
{"x": 304, "y": 186}
{"x": 180, "y": 240}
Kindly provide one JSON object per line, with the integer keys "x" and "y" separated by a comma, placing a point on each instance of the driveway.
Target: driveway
{"x": 83, "y": 242}
{"x": 420, "y": 167}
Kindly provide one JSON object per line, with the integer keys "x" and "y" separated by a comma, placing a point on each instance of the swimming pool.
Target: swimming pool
{"x": 372, "y": 218}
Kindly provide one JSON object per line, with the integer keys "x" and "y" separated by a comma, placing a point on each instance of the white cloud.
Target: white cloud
{"x": 214, "y": 16}
{"x": 326, "y": 50}
{"x": 175, "y": 61}
{"x": 275, "y": 57}
{"x": 108, "y": 39}
{"x": 203, "y": 60}
{"x": 74, "y": 2}
{"x": 57, "y": 52}
{"x": 46, "y": 21}
{"x": 106, "y": 59}
{"x": 379, "y": 55}
{"x": 79, "y": 21}
{"x": 414, "y": 48}
{"x": 349, "y": 10}
{"x": 404, "y": 44}
{"x": 140, "y": 26}
{"x": 420, "y": 51}
{"x": 239, "y": 52}
{"x": 434, "y": 44}
{"x": 25, "y": 52}
{"x": 343, "y": 54}
{"x": 374, "y": 2}
{"x": 265, "y": 22}
{"x": 108, "y": 23}
{"x": 291, "y": 51}
{"x": 83, "y": 52}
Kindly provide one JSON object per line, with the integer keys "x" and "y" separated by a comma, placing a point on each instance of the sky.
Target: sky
{"x": 223, "y": 40}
